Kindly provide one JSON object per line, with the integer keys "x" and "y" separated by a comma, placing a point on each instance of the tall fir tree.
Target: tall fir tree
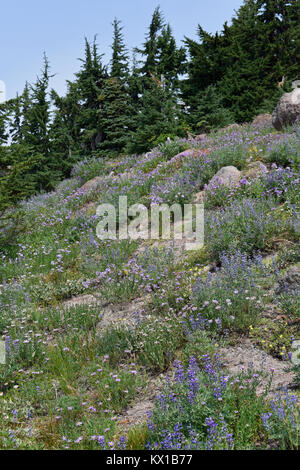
{"x": 37, "y": 133}
{"x": 120, "y": 59}
{"x": 65, "y": 129}
{"x": 16, "y": 122}
{"x": 3, "y": 123}
{"x": 158, "y": 118}
{"x": 157, "y": 85}
{"x": 117, "y": 114}
{"x": 90, "y": 82}
{"x": 244, "y": 85}
{"x": 162, "y": 58}
{"x": 281, "y": 34}
{"x": 150, "y": 46}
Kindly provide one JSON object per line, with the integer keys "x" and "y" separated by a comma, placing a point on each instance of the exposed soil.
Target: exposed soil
{"x": 246, "y": 355}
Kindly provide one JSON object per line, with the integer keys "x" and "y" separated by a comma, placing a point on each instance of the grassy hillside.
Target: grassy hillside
{"x": 92, "y": 327}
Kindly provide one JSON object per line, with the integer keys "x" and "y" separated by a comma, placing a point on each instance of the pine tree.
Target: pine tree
{"x": 156, "y": 85}
{"x": 16, "y": 124}
{"x": 135, "y": 86}
{"x": 162, "y": 58}
{"x": 245, "y": 82}
{"x": 18, "y": 178}
{"x": 3, "y": 123}
{"x": 26, "y": 103}
{"x": 281, "y": 32}
{"x": 206, "y": 64}
{"x": 65, "y": 130}
{"x": 150, "y": 46}
{"x": 116, "y": 107}
{"x": 37, "y": 134}
{"x": 116, "y": 117}
{"x": 90, "y": 81}
{"x": 209, "y": 111}
{"x": 158, "y": 119}
{"x": 119, "y": 61}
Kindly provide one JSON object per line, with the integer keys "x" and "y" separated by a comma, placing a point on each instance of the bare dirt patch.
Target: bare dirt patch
{"x": 130, "y": 314}
{"x": 246, "y": 355}
{"x": 86, "y": 299}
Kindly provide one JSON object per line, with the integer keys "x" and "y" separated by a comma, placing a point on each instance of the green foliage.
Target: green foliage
{"x": 240, "y": 59}
{"x": 20, "y": 174}
{"x": 249, "y": 226}
{"x": 209, "y": 112}
{"x": 202, "y": 409}
{"x": 159, "y": 115}
{"x": 232, "y": 297}
{"x": 116, "y": 117}
{"x": 285, "y": 153}
{"x": 170, "y": 148}
{"x": 110, "y": 109}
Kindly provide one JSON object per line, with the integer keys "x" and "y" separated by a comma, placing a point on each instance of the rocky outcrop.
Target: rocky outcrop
{"x": 245, "y": 355}
{"x": 287, "y": 110}
{"x": 200, "y": 137}
{"x": 254, "y": 170}
{"x": 91, "y": 185}
{"x": 227, "y": 176}
{"x": 290, "y": 282}
{"x": 262, "y": 119}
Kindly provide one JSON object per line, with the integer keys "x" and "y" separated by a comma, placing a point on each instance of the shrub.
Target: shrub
{"x": 231, "y": 298}
{"x": 248, "y": 225}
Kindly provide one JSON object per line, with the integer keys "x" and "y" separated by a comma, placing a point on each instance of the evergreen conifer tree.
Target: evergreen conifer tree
{"x": 119, "y": 61}
{"x": 116, "y": 107}
{"x": 90, "y": 81}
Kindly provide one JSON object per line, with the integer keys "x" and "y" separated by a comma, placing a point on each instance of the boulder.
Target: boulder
{"x": 296, "y": 84}
{"x": 290, "y": 282}
{"x": 200, "y": 137}
{"x": 91, "y": 185}
{"x": 254, "y": 170}
{"x": 262, "y": 119}
{"x": 199, "y": 198}
{"x": 295, "y": 353}
{"x": 287, "y": 110}
{"x": 185, "y": 154}
{"x": 177, "y": 159}
{"x": 232, "y": 127}
{"x": 227, "y": 176}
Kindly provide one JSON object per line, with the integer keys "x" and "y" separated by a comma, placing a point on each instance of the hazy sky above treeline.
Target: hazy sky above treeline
{"x": 58, "y": 27}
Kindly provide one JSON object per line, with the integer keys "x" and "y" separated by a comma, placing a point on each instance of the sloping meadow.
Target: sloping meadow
{"x": 68, "y": 377}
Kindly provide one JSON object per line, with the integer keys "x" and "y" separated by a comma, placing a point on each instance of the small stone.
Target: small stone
{"x": 295, "y": 356}
{"x": 262, "y": 119}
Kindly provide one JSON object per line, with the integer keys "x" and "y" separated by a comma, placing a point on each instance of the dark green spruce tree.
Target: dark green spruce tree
{"x": 65, "y": 130}
{"x": 117, "y": 112}
{"x": 90, "y": 82}
{"x": 281, "y": 33}
{"x": 162, "y": 62}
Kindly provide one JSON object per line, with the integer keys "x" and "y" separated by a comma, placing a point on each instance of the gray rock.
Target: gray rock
{"x": 91, "y": 185}
{"x": 295, "y": 356}
{"x": 290, "y": 282}
{"x": 227, "y": 176}
{"x": 201, "y": 137}
{"x": 287, "y": 110}
{"x": 262, "y": 119}
{"x": 232, "y": 127}
{"x": 254, "y": 170}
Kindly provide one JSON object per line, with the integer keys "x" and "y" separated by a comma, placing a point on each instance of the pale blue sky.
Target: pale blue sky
{"x": 58, "y": 27}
